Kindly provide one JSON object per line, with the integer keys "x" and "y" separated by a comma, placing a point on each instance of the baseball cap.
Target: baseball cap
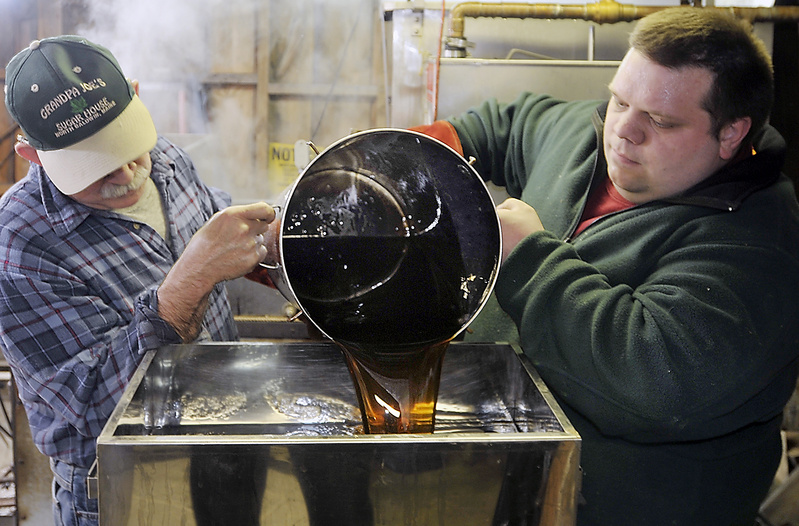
{"x": 77, "y": 109}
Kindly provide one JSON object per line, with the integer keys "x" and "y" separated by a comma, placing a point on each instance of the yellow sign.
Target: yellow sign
{"x": 282, "y": 170}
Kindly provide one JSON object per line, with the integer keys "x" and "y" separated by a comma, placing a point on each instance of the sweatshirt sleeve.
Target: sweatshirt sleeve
{"x": 502, "y": 136}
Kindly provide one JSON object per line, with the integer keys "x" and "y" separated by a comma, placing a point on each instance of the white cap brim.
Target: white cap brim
{"x": 129, "y": 136}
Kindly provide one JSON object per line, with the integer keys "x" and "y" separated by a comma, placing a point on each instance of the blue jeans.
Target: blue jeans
{"x": 71, "y": 503}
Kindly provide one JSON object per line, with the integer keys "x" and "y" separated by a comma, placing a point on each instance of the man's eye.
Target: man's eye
{"x": 660, "y": 124}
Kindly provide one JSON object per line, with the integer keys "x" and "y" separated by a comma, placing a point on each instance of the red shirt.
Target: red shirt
{"x": 603, "y": 200}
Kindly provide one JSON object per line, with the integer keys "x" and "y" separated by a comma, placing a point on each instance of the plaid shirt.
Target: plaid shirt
{"x": 78, "y": 298}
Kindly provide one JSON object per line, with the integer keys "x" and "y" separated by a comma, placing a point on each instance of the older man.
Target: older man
{"x": 111, "y": 246}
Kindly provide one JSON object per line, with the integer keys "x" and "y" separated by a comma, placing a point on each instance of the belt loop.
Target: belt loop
{"x": 54, "y": 490}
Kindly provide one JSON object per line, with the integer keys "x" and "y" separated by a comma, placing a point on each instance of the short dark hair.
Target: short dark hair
{"x": 715, "y": 40}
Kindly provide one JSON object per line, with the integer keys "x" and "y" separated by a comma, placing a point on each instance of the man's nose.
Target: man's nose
{"x": 122, "y": 175}
{"x": 629, "y": 127}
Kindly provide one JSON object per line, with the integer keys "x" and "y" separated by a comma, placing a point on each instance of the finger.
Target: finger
{"x": 257, "y": 211}
{"x": 262, "y": 252}
{"x": 508, "y": 204}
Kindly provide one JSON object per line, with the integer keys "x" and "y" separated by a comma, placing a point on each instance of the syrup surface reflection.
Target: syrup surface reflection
{"x": 386, "y": 294}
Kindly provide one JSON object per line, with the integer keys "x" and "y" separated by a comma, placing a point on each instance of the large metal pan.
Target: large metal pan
{"x": 387, "y": 237}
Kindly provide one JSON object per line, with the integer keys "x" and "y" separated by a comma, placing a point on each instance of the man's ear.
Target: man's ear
{"x": 732, "y": 135}
{"x": 26, "y": 151}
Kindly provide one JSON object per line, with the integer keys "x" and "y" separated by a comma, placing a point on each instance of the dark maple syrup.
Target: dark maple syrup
{"x": 397, "y": 393}
{"x": 392, "y": 304}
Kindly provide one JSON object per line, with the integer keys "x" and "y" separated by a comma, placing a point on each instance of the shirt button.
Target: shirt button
{"x": 136, "y": 226}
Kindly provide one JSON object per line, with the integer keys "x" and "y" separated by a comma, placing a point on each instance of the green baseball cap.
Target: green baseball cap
{"x": 77, "y": 109}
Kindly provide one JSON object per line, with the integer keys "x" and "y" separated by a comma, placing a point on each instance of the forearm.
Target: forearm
{"x": 182, "y": 301}
{"x": 228, "y": 246}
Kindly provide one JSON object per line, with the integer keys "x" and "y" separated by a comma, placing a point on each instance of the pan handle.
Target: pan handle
{"x": 276, "y": 266}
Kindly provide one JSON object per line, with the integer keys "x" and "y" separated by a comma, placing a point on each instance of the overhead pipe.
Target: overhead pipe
{"x": 602, "y": 12}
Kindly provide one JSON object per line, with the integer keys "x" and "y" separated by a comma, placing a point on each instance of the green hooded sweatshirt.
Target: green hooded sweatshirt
{"x": 667, "y": 332}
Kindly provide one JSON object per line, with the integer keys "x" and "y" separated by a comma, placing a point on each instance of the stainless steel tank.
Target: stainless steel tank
{"x": 270, "y": 433}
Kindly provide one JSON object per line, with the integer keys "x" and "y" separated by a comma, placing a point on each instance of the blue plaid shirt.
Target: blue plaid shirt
{"x": 78, "y": 298}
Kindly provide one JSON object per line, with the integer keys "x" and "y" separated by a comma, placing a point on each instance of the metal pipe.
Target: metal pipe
{"x": 602, "y": 12}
